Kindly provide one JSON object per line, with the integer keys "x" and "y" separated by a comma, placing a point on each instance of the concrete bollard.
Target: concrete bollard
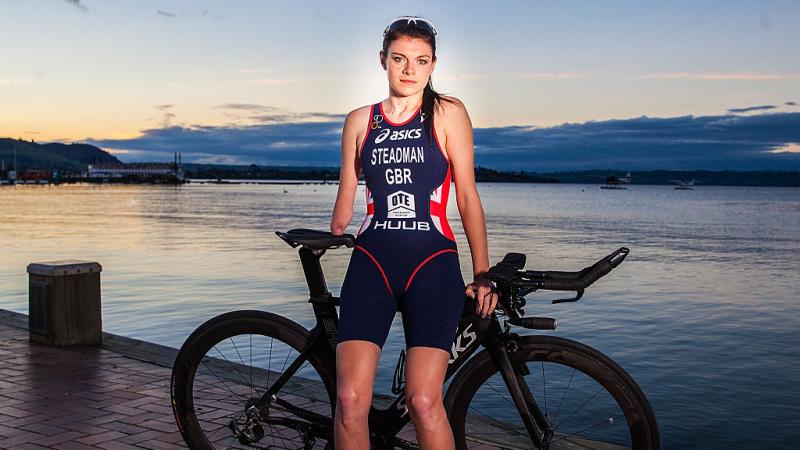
{"x": 64, "y": 303}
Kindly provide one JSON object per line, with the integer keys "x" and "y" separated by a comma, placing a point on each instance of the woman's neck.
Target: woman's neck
{"x": 397, "y": 107}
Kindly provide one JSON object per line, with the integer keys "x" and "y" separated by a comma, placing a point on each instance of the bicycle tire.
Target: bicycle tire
{"x": 203, "y": 405}
{"x": 566, "y": 355}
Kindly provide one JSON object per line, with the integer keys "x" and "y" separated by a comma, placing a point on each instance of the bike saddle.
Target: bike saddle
{"x": 315, "y": 239}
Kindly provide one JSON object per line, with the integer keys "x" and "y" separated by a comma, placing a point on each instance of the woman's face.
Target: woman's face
{"x": 409, "y": 64}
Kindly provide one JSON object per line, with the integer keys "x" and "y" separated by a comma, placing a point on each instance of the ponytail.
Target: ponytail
{"x": 431, "y": 100}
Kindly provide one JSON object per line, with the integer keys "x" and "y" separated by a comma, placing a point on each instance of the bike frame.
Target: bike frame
{"x": 472, "y": 333}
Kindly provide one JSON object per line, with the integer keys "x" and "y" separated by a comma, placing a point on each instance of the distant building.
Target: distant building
{"x": 165, "y": 172}
{"x": 35, "y": 175}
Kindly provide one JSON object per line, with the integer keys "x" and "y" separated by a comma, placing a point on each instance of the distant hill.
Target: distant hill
{"x": 31, "y": 155}
{"x": 84, "y": 153}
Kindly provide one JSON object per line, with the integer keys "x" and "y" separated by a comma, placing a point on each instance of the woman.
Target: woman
{"x": 410, "y": 146}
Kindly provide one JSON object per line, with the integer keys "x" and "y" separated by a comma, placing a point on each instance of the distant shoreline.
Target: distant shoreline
{"x": 39, "y": 162}
{"x": 361, "y": 182}
{"x": 776, "y": 178}
{"x": 287, "y": 182}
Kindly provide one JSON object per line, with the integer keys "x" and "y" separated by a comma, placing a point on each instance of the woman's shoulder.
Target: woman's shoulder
{"x": 360, "y": 112}
{"x": 452, "y": 102}
{"x": 452, "y": 109}
{"x": 358, "y": 116}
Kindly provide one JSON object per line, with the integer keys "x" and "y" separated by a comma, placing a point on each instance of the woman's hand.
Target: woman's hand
{"x": 483, "y": 291}
{"x": 338, "y": 226}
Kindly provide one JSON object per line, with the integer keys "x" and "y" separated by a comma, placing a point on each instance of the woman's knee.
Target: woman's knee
{"x": 424, "y": 407}
{"x": 352, "y": 404}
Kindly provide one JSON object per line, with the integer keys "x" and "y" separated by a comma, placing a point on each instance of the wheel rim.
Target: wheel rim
{"x": 584, "y": 412}
{"x": 233, "y": 373}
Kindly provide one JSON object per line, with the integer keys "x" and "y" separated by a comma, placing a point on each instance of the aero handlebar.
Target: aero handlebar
{"x": 573, "y": 281}
{"x": 507, "y": 272}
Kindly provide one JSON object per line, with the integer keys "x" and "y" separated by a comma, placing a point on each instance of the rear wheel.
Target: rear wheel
{"x": 228, "y": 363}
{"x": 589, "y": 400}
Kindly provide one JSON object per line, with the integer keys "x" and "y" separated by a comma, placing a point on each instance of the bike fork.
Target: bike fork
{"x": 536, "y": 423}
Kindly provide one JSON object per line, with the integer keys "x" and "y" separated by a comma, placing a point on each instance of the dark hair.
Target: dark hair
{"x": 430, "y": 98}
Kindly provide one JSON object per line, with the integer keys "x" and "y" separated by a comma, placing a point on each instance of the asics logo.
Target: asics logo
{"x": 396, "y": 135}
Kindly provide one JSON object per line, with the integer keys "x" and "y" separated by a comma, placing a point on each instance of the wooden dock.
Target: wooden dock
{"x": 82, "y": 397}
{"x": 115, "y": 396}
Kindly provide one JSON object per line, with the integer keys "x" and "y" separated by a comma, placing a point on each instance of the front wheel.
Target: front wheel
{"x": 588, "y": 400}
{"x": 224, "y": 368}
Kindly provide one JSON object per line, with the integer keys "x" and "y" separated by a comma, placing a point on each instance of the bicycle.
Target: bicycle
{"x": 280, "y": 393}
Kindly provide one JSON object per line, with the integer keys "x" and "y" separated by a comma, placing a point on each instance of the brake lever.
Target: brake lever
{"x": 577, "y": 297}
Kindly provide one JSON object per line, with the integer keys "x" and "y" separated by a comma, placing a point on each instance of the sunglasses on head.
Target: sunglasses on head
{"x": 407, "y": 21}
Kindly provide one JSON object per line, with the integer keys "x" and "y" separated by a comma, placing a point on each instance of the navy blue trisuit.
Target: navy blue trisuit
{"x": 405, "y": 258}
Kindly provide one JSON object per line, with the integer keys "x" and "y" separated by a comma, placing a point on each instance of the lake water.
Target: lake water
{"x": 703, "y": 313}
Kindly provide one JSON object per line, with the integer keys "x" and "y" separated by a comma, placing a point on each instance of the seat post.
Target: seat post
{"x": 309, "y": 259}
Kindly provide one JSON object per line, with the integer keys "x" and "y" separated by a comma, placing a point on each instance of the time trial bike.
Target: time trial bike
{"x": 254, "y": 379}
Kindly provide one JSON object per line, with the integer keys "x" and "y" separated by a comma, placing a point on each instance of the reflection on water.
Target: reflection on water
{"x": 703, "y": 313}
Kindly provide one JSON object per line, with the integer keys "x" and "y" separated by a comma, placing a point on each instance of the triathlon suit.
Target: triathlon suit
{"x": 405, "y": 258}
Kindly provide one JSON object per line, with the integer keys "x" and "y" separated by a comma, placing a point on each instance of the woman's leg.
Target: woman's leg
{"x": 367, "y": 308}
{"x": 431, "y": 307}
{"x": 356, "y": 362}
{"x": 425, "y": 371}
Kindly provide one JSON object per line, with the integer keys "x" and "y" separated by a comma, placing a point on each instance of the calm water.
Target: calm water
{"x": 704, "y": 312}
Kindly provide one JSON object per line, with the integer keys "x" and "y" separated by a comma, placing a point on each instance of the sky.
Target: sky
{"x": 548, "y": 85}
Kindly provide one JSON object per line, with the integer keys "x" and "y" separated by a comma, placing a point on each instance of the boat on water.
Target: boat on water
{"x": 684, "y": 185}
{"x": 614, "y": 182}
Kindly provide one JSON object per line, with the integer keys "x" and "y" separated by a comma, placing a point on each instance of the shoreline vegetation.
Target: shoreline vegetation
{"x": 775, "y": 178}
{"x": 70, "y": 162}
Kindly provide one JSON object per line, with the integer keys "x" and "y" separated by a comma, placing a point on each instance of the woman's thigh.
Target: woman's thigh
{"x": 367, "y": 306}
{"x": 433, "y": 303}
{"x": 425, "y": 371}
{"x": 356, "y": 363}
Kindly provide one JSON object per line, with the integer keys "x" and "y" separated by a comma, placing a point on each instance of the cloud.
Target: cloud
{"x": 788, "y": 148}
{"x": 77, "y": 4}
{"x": 312, "y": 143}
{"x": 249, "y": 107}
{"x": 319, "y": 15}
{"x": 462, "y": 77}
{"x": 7, "y": 82}
{"x": 204, "y": 14}
{"x": 751, "y": 108}
{"x": 791, "y": 103}
{"x": 166, "y": 120}
{"x": 263, "y": 81}
{"x": 254, "y": 113}
{"x": 255, "y": 71}
{"x": 545, "y": 76}
{"x": 717, "y": 76}
{"x": 721, "y": 142}
{"x": 765, "y": 21}
{"x": 681, "y": 143}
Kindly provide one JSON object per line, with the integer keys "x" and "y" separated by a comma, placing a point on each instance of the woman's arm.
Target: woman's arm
{"x": 460, "y": 150}
{"x": 354, "y": 125}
